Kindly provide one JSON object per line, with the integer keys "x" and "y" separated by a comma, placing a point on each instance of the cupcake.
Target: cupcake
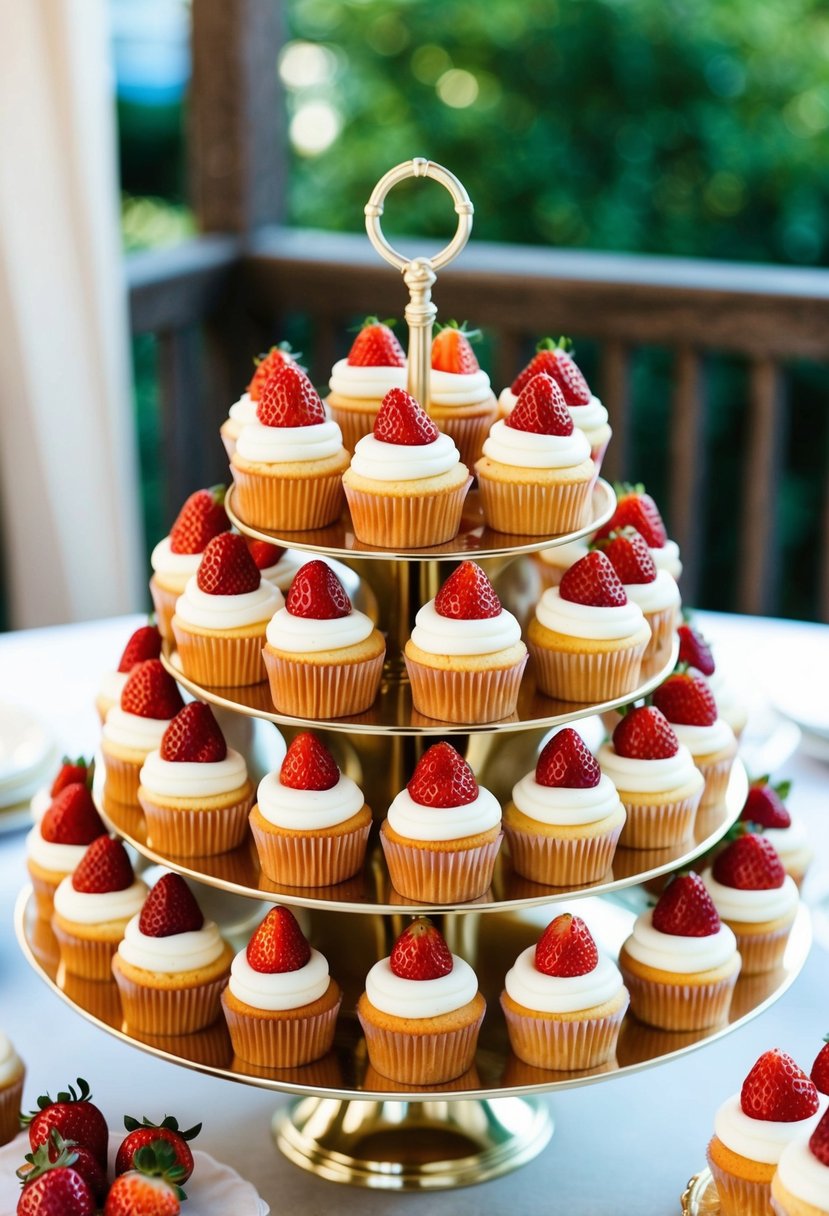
{"x": 552, "y": 563}
{"x": 695, "y": 651}
{"x": 324, "y": 659}
{"x": 71, "y": 772}
{"x": 564, "y": 1002}
{"x": 776, "y": 1104}
{"x": 588, "y": 414}
{"x": 149, "y": 702}
{"x": 195, "y": 791}
{"x": 688, "y": 703}
{"x": 176, "y": 558}
{"x": 587, "y": 639}
{"x": 680, "y": 963}
{"x": 172, "y": 964}
{"x": 461, "y": 401}
{"x": 144, "y": 644}
{"x": 766, "y": 810}
{"x": 655, "y": 591}
{"x": 443, "y": 832}
{"x": 465, "y": 657}
{"x": 56, "y": 844}
{"x": 800, "y": 1186}
{"x": 12, "y": 1075}
{"x": 358, "y": 384}
{"x": 93, "y": 907}
{"x": 288, "y": 463}
{"x": 243, "y": 411}
{"x": 636, "y": 509}
{"x": 657, "y": 780}
{"x": 276, "y": 565}
{"x": 310, "y": 822}
{"x": 756, "y": 898}
{"x": 421, "y": 1011}
{"x": 565, "y": 818}
{"x": 220, "y": 620}
{"x": 280, "y": 1003}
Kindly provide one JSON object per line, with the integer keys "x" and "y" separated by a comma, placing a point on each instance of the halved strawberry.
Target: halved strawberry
{"x": 145, "y": 643}
{"x": 150, "y": 692}
{"x": 540, "y": 409}
{"x": 308, "y": 765}
{"x": 685, "y": 908}
{"x": 72, "y": 772}
{"x": 820, "y": 1068}
{"x": 442, "y": 778}
{"x": 644, "y": 733}
{"x": 567, "y": 762}
{"x": 636, "y": 509}
{"x": 72, "y": 818}
{"x": 193, "y": 737}
{"x": 592, "y": 580}
{"x": 452, "y": 350}
{"x": 152, "y": 1187}
{"x": 144, "y": 1133}
{"x": 687, "y": 699}
{"x": 278, "y": 943}
{"x": 420, "y": 953}
{"x": 227, "y": 568}
{"x": 566, "y": 948}
{"x": 765, "y": 804}
{"x": 202, "y": 517}
{"x": 403, "y": 421}
{"x": 104, "y": 867}
{"x": 629, "y": 556}
{"x": 263, "y": 553}
{"x": 266, "y": 365}
{"x": 467, "y": 595}
{"x": 73, "y": 1115}
{"x": 170, "y": 908}
{"x": 288, "y": 398}
{"x": 317, "y": 593}
{"x": 56, "y": 1154}
{"x": 776, "y": 1090}
{"x": 376, "y": 346}
{"x": 749, "y": 863}
{"x": 555, "y": 359}
{"x": 694, "y": 650}
{"x": 819, "y": 1140}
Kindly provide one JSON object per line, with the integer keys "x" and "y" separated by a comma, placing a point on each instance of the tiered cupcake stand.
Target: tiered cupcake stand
{"x": 351, "y": 1124}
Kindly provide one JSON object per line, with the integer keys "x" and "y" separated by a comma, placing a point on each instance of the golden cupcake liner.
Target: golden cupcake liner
{"x": 679, "y": 1006}
{"x": 122, "y": 779}
{"x": 761, "y": 952}
{"x": 561, "y": 861}
{"x": 465, "y": 696}
{"x": 98, "y": 997}
{"x": 164, "y": 603}
{"x": 210, "y": 1045}
{"x": 322, "y": 690}
{"x": 421, "y": 1059}
{"x": 563, "y": 1045}
{"x": 657, "y": 825}
{"x": 281, "y": 1042}
{"x": 287, "y": 504}
{"x": 374, "y": 1081}
{"x": 181, "y": 832}
{"x": 354, "y": 424}
{"x": 468, "y": 432}
{"x": 716, "y": 777}
{"x": 436, "y": 876}
{"x": 11, "y": 1100}
{"x": 740, "y": 1196}
{"x": 662, "y": 626}
{"x": 181, "y": 1010}
{"x": 392, "y": 521}
{"x": 44, "y": 892}
{"x": 527, "y": 509}
{"x": 599, "y": 675}
{"x": 309, "y": 861}
{"x": 220, "y": 661}
{"x": 85, "y": 957}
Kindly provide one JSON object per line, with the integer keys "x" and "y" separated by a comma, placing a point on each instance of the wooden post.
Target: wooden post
{"x": 761, "y": 483}
{"x": 687, "y": 452}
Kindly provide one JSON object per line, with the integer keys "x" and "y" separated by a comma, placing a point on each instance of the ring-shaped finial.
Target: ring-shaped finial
{"x": 419, "y": 167}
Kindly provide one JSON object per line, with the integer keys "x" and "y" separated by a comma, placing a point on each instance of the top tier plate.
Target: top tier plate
{"x": 474, "y": 540}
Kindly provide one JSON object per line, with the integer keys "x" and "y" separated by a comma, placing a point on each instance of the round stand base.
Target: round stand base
{"x": 700, "y": 1197}
{"x": 412, "y": 1146}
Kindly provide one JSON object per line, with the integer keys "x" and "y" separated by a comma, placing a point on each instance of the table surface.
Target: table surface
{"x": 628, "y": 1145}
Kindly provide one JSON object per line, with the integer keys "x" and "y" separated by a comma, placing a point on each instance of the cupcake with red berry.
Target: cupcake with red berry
{"x": 442, "y": 832}
{"x": 655, "y": 591}
{"x": 71, "y": 772}
{"x": 636, "y": 509}
{"x": 800, "y": 1186}
{"x": 12, "y": 1075}
{"x": 243, "y": 411}
{"x": 695, "y": 651}
{"x": 565, "y": 818}
{"x": 421, "y": 1011}
{"x": 144, "y": 644}
{"x": 765, "y": 809}
{"x": 132, "y": 730}
{"x": 688, "y": 703}
{"x": 310, "y": 822}
{"x": 195, "y": 791}
{"x": 465, "y": 657}
{"x": 172, "y": 964}
{"x": 375, "y": 364}
{"x": 176, "y": 558}
{"x": 275, "y": 564}
{"x": 289, "y": 462}
{"x": 551, "y": 564}
{"x": 220, "y": 620}
{"x": 563, "y": 1001}
{"x": 56, "y": 844}
{"x": 658, "y": 782}
{"x": 280, "y": 1003}
{"x": 324, "y": 658}
{"x": 461, "y": 400}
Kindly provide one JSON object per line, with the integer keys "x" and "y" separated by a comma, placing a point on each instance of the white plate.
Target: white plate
{"x": 27, "y": 749}
{"x": 15, "y": 818}
{"x": 768, "y": 741}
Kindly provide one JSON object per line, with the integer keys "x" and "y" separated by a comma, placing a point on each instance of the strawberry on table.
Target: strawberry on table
{"x": 146, "y": 1133}
{"x": 765, "y": 804}
{"x": 202, "y": 517}
{"x": 267, "y": 364}
{"x": 308, "y": 765}
{"x": 452, "y": 349}
{"x": 541, "y": 409}
{"x": 51, "y": 1158}
{"x": 402, "y": 421}
{"x": 376, "y": 346}
{"x": 72, "y": 817}
{"x": 442, "y": 778}
{"x": 55, "y": 1188}
{"x": 777, "y": 1090}
{"x": 152, "y": 1187}
{"x": 685, "y": 908}
{"x": 193, "y": 736}
{"x": 316, "y": 592}
{"x": 566, "y": 948}
{"x": 227, "y": 568}
{"x": 555, "y": 360}
{"x": 566, "y": 761}
{"x": 636, "y": 509}
{"x": 289, "y": 399}
{"x": 278, "y": 943}
{"x": 467, "y": 595}
{"x": 420, "y": 952}
{"x": 72, "y": 1113}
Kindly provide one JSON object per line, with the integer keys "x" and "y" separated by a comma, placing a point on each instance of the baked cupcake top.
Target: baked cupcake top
{"x": 170, "y": 933}
{"x": 748, "y": 883}
{"x": 405, "y": 444}
{"x": 456, "y": 377}
{"x": 776, "y": 1103}
{"x": 10, "y": 1062}
{"x": 193, "y": 760}
{"x": 375, "y": 364}
{"x": 202, "y": 517}
{"x": 567, "y": 787}
{"x": 539, "y": 433}
{"x": 636, "y": 508}
{"x": 803, "y": 1168}
{"x": 309, "y": 793}
{"x": 765, "y": 809}
{"x": 563, "y": 972}
{"x": 421, "y": 978}
{"x": 683, "y": 932}
{"x": 653, "y": 590}
{"x": 465, "y": 617}
{"x": 278, "y": 970}
{"x": 291, "y": 425}
{"x": 244, "y": 410}
{"x": 60, "y": 839}
{"x": 555, "y": 360}
{"x": 227, "y": 591}
{"x": 318, "y": 615}
{"x": 590, "y": 602}
{"x": 645, "y": 756}
{"x": 144, "y": 644}
{"x": 686, "y": 700}
{"x": 443, "y": 801}
{"x": 148, "y": 703}
{"x": 103, "y": 887}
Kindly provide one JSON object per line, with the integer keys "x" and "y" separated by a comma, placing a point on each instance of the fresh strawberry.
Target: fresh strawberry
{"x": 402, "y": 421}
{"x": 567, "y": 761}
{"x": 566, "y": 948}
{"x": 820, "y": 1068}
{"x": 554, "y": 359}
{"x": 452, "y": 349}
{"x": 227, "y": 568}
{"x": 629, "y": 556}
{"x": 151, "y": 1187}
{"x": 55, "y": 1189}
{"x": 442, "y": 778}
{"x": 777, "y": 1091}
{"x": 288, "y": 398}
{"x": 150, "y": 692}
{"x": 819, "y": 1140}
{"x": 202, "y": 517}
{"x": 592, "y": 580}
{"x": 71, "y": 772}
{"x": 765, "y": 804}
{"x": 636, "y": 509}
{"x": 540, "y": 409}
{"x": 193, "y": 736}
{"x": 72, "y": 818}
{"x": 376, "y": 346}
{"x": 278, "y": 943}
{"x": 170, "y": 908}
{"x": 694, "y": 650}
{"x": 144, "y": 1133}
{"x": 104, "y": 867}
{"x": 749, "y": 863}
{"x": 145, "y": 643}
{"x": 686, "y": 698}
{"x": 317, "y": 593}
{"x": 58, "y": 1153}
{"x": 420, "y": 953}
{"x": 73, "y": 1115}
{"x": 645, "y": 733}
{"x": 467, "y": 595}
{"x": 263, "y": 554}
{"x": 685, "y": 908}
{"x": 308, "y": 765}
{"x": 266, "y": 365}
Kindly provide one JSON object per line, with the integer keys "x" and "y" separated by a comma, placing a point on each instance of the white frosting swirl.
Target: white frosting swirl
{"x": 179, "y": 952}
{"x": 667, "y": 558}
{"x": 560, "y": 806}
{"x": 657, "y": 595}
{"x": 132, "y": 731}
{"x": 527, "y": 450}
{"x": 586, "y": 620}
{"x": 243, "y": 410}
{"x": 681, "y": 955}
{"x": 380, "y": 461}
{"x": 306, "y": 635}
{"x": 365, "y": 383}
{"x": 454, "y": 388}
{"x": 416, "y": 822}
{"x": 403, "y": 998}
{"x": 587, "y": 417}
{"x": 789, "y": 840}
{"x": 564, "y": 556}
{"x": 281, "y": 573}
{"x": 197, "y": 607}
{"x": 308, "y": 810}
{"x": 760, "y": 1139}
{"x": 176, "y": 567}
{"x": 95, "y": 908}
{"x": 61, "y": 858}
{"x": 438, "y": 634}
{"x": 649, "y": 776}
{"x": 10, "y": 1063}
{"x": 188, "y": 779}
{"x": 561, "y": 993}
{"x": 279, "y": 990}
{"x": 112, "y": 685}
{"x": 802, "y": 1174}
{"x": 705, "y": 740}
{"x": 285, "y": 444}
{"x": 753, "y": 907}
